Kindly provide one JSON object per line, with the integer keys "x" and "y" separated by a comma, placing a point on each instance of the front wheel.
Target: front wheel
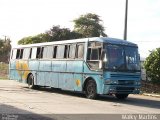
{"x": 91, "y": 89}
{"x": 121, "y": 96}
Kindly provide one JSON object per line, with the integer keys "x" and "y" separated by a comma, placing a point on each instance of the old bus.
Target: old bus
{"x": 94, "y": 66}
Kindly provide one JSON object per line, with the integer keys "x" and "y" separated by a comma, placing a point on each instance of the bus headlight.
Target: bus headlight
{"x": 138, "y": 82}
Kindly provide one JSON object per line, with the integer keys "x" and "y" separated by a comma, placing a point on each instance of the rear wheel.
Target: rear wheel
{"x": 91, "y": 89}
{"x": 121, "y": 96}
{"x": 31, "y": 81}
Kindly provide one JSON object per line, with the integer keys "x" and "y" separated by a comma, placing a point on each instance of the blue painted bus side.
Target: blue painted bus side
{"x": 72, "y": 75}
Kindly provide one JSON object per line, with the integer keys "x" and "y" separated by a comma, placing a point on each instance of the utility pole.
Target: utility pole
{"x": 125, "y": 22}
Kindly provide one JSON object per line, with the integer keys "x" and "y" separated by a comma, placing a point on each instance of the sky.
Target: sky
{"x": 22, "y": 18}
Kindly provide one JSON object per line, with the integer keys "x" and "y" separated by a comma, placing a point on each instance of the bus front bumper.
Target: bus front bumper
{"x": 121, "y": 89}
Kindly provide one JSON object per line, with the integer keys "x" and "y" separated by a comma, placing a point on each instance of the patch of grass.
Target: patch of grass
{"x": 3, "y": 70}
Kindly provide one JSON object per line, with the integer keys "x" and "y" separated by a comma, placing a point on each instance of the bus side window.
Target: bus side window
{"x": 60, "y": 53}
{"x": 66, "y": 50}
{"x": 39, "y": 53}
{"x": 89, "y": 54}
{"x": 26, "y": 53}
{"x": 49, "y": 52}
{"x": 94, "y": 54}
{"x": 18, "y": 53}
{"x": 21, "y": 54}
{"x": 33, "y": 53}
{"x": 14, "y": 53}
{"x": 80, "y": 51}
{"x": 45, "y": 50}
{"x": 93, "y": 57}
{"x": 55, "y": 52}
{"x": 72, "y": 51}
{"x": 30, "y": 53}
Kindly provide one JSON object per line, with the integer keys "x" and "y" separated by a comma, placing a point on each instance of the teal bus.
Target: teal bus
{"x": 94, "y": 66}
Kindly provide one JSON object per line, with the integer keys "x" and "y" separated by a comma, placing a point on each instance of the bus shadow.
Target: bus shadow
{"x": 143, "y": 102}
{"x": 132, "y": 101}
{"x": 60, "y": 91}
{"x": 55, "y": 90}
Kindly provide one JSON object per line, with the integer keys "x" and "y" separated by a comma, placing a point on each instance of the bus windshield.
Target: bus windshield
{"x": 122, "y": 58}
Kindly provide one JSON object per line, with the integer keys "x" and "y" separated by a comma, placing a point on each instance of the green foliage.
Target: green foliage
{"x": 89, "y": 26}
{"x": 5, "y": 48}
{"x": 56, "y": 34}
{"x": 43, "y": 37}
{"x": 4, "y": 71}
{"x": 86, "y": 26}
{"x": 152, "y": 66}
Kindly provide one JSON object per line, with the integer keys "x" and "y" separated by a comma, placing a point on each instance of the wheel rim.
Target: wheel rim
{"x": 91, "y": 89}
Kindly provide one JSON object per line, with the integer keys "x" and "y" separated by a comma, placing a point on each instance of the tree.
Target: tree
{"x": 56, "y": 34}
{"x": 152, "y": 66}
{"x": 89, "y": 26}
{"x": 85, "y": 26}
{"x": 43, "y": 37}
{"x": 5, "y": 48}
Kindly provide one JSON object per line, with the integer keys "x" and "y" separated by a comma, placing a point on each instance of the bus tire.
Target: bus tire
{"x": 31, "y": 81}
{"x": 121, "y": 96}
{"x": 91, "y": 89}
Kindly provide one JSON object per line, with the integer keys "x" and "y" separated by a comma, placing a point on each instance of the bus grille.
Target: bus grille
{"x": 122, "y": 76}
{"x": 124, "y": 89}
{"x": 125, "y": 82}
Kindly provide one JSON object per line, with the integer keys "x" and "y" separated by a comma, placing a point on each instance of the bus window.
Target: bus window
{"x": 18, "y": 53}
{"x": 93, "y": 57}
{"x": 30, "y": 53}
{"x": 45, "y": 50}
{"x": 94, "y": 53}
{"x": 89, "y": 54}
{"x": 21, "y": 54}
{"x": 80, "y": 51}
{"x": 26, "y": 53}
{"x": 55, "y": 52}
{"x": 14, "y": 53}
{"x": 66, "y": 49}
{"x": 33, "y": 53}
{"x": 72, "y": 51}
{"x": 50, "y": 52}
{"x": 39, "y": 53}
{"x": 60, "y": 53}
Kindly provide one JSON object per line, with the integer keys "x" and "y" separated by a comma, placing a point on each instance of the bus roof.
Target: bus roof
{"x": 96, "y": 39}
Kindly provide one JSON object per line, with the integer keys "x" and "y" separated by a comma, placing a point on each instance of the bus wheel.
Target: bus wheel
{"x": 91, "y": 89}
{"x": 31, "y": 81}
{"x": 121, "y": 96}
